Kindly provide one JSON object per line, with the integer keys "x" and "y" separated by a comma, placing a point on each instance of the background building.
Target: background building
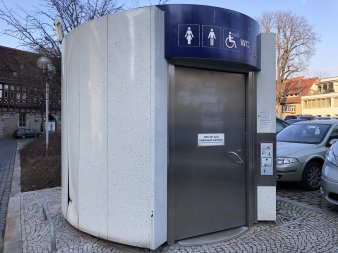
{"x": 22, "y": 93}
{"x": 295, "y": 88}
{"x": 322, "y": 98}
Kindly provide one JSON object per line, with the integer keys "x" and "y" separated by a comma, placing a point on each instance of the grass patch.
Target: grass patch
{"x": 37, "y": 170}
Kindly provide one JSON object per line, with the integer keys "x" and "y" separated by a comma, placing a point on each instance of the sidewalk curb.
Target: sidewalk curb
{"x": 13, "y": 237}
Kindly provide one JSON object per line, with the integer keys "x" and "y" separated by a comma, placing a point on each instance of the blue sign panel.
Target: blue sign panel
{"x": 206, "y": 32}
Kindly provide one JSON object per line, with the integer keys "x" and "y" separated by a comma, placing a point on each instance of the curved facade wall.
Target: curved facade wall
{"x": 114, "y": 142}
{"x": 115, "y": 116}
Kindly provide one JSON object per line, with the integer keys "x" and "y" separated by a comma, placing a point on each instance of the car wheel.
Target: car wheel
{"x": 311, "y": 175}
{"x": 23, "y": 136}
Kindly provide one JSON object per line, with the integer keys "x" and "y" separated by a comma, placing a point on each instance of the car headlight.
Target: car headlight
{"x": 286, "y": 160}
{"x": 330, "y": 157}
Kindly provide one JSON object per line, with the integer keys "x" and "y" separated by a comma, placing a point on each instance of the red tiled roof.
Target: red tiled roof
{"x": 298, "y": 86}
{"x": 292, "y": 100}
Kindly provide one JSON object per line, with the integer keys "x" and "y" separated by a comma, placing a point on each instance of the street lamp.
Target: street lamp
{"x": 48, "y": 71}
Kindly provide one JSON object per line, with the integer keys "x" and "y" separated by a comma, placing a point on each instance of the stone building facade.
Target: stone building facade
{"x": 22, "y": 93}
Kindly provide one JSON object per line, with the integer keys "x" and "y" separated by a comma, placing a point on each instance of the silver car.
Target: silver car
{"x": 329, "y": 184}
{"x": 301, "y": 149}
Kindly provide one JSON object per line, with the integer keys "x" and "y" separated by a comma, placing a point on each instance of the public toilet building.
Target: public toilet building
{"x": 168, "y": 120}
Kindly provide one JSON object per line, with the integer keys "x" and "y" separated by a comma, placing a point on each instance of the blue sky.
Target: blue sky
{"x": 322, "y": 15}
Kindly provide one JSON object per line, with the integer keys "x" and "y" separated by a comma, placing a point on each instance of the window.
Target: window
{"x": 331, "y": 89}
{"x": 335, "y": 102}
{"x": 334, "y": 132}
{"x": 328, "y": 102}
{"x": 324, "y": 102}
{"x": 22, "y": 119}
{"x": 12, "y": 94}
{"x": 5, "y": 91}
{"x": 12, "y": 91}
{"x": 304, "y": 133}
{"x": 279, "y": 127}
{"x": 289, "y": 108}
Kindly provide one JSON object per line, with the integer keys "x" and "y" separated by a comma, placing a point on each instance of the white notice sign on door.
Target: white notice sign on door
{"x": 205, "y": 140}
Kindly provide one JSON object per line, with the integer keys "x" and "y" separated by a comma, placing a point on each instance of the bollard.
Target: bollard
{"x": 52, "y": 228}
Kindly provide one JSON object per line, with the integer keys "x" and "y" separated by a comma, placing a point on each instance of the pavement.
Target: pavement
{"x": 305, "y": 223}
{"x": 7, "y": 158}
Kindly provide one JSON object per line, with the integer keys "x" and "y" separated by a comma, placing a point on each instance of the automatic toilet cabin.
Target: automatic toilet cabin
{"x": 164, "y": 125}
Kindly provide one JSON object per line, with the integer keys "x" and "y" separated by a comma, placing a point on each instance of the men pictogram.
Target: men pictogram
{"x": 212, "y": 37}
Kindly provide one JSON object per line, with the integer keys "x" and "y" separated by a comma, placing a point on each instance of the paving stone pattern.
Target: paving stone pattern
{"x": 7, "y": 159}
{"x": 297, "y": 229}
{"x": 294, "y": 192}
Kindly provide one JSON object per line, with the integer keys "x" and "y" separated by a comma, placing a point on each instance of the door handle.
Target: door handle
{"x": 240, "y": 161}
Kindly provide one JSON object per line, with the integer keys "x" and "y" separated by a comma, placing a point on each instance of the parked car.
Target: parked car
{"x": 303, "y": 117}
{"x": 280, "y": 125}
{"x": 329, "y": 182}
{"x": 301, "y": 149}
{"x": 291, "y": 119}
{"x": 25, "y": 133}
{"x": 323, "y": 118}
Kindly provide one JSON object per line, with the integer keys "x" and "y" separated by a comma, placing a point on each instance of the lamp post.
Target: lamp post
{"x": 48, "y": 71}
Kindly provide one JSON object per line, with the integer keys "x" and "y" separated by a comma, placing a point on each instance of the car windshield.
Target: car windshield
{"x": 304, "y": 133}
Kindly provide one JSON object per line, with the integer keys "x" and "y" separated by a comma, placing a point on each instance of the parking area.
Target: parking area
{"x": 293, "y": 192}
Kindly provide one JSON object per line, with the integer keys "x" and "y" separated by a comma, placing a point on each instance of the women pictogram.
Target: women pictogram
{"x": 189, "y": 36}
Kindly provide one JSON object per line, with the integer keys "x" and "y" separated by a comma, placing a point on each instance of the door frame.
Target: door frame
{"x": 250, "y": 142}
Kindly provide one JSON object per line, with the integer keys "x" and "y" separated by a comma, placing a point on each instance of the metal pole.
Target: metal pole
{"x": 51, "y": 227}
{"x": 47, "y": 113}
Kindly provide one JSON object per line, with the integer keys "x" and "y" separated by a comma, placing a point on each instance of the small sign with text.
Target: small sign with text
{"x": 207, "y": 140}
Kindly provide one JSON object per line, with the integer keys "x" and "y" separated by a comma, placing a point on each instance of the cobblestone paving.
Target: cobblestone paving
{"x": 297, "y": 229}
{"x": 7, "y": 158}
{"x": 294, "y": 192}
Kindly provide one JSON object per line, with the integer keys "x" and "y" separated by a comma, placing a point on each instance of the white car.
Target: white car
{"x": 329, "y": 183}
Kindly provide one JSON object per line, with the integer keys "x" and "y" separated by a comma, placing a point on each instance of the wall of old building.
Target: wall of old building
{"x": 9, "y": 121}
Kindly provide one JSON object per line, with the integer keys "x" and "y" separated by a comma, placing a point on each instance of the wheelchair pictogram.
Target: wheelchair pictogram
{"x": 230, "y": 42}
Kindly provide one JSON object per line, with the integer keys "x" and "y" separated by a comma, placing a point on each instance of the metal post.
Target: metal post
{"x": 47, "y": 113}
{"x": 51, "y": 227}
{"x": 48, "y": 70}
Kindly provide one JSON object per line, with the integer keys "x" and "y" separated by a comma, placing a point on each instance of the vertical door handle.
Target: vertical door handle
{"x": 240, "y": 161}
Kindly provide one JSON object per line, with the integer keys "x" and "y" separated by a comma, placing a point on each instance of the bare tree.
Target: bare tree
{"x": 136, "y": 3}
{"x": 34, "y": 30}
{"x": 296, "y": 43}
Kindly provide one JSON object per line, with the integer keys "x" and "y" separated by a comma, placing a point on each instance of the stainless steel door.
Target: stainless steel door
{"x": 207, "y": 183}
